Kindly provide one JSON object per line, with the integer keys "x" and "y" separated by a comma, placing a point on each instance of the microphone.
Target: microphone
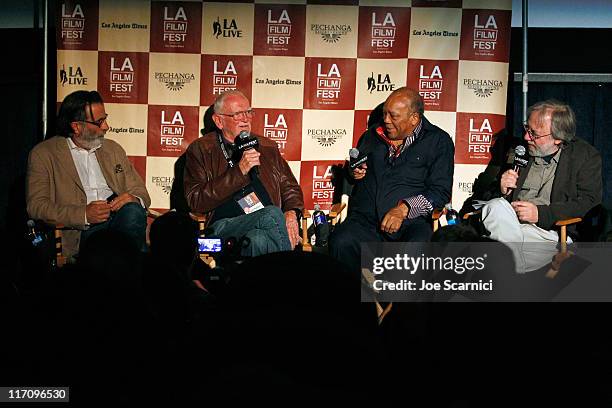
{"x": 520, "y": 162}
{"x": 356, "y": 160}
{"x": 244, "y": 141}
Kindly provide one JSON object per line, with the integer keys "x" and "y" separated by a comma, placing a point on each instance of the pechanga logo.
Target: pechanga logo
{"x": 380, "y": 83}
{"x": 480, "y": 137}
{"x": 276, "y": 130}
{"x": 328, "y": 84}
{"x": 121, "y": 78}
{"x": 485, "y": 36}
{"x": 465, "y": 187}
{"x": 326, "y": 137}
{"x": 73, "y": 23}
{"x": 322, "y": 186}
{"x": 224, "y": 80}
{"x": 229, "y": 29}
{"x": 331, "y": 33}
{"x": 175, "y": 81}
{"x": 175, "y": 27}
{"x": 430, "y": 84}
{"x": 383, "y": 33}
{"x": 483, "y": 88}
{"x": 73, "y": 76}
{"x": 172, "y": 131}
{"x": 279, "y": 30}
{"x": 165, "y": 183}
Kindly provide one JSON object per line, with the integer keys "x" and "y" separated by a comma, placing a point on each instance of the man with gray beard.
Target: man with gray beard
{"x": 84, "y": 181}
{"x": 562, "y": 180}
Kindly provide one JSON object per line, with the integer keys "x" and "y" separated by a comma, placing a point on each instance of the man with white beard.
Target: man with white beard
{"x": 562, "y": 180}
{"x": 84, "y": 181}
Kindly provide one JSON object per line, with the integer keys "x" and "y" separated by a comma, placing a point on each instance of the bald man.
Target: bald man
{"x": 409, "y": 172}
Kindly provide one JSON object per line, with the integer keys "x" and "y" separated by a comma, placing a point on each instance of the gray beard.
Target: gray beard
{"x": 537, "y": 152}
{"x": 91, "y": 141}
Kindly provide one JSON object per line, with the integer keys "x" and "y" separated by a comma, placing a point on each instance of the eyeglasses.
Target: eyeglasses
{"x": 238, "y": 116}
{"x": 98, "y": 122}
{"x": 533, "y": 135}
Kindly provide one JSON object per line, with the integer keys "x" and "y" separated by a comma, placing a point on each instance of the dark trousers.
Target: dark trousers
{"x": 131, "y": 220}
{"x": 345, "y": 241}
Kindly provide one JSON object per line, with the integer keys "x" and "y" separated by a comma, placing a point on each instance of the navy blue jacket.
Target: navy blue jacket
{"x": 425, "y": 167}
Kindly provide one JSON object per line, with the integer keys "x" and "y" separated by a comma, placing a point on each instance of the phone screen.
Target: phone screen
{"x": 208, "y": 245}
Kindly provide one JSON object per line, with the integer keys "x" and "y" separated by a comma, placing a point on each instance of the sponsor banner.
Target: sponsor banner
{"x": 436, "y": 82}
{"x": 434, "y": 33}
{"x": 171, "y": 129}
{"x": 482, "y": 87}
{"x": 326, "y": 135}
{"x": 383, "y": 32}
{"x": 128, "y": 127}
{"x": 222, "y": 73}
{"x": 476, "y": 133}
{"x": 437, "y": 3}
{"x": 393, "y": 3}
{"x": 76, "y": 70}
{"x": 360, "y": 124}
{"x": 295, "y": 169}
{"x": 124, "y": 25}
{"x": 316, "y": 182}
{"x": 176, "y": 27}
{"x": 446, "y": 121}
{"x": 140, "y": 165}
{"x": 331, "y": 31}
{"x": 463, "y": 183}
{"x": 174, "y": 79}
{"x": 488, "y": 4}
{"x": 376, "y": 79}
{"x": 77, "y": 25}
{"x": 122, "y": 76}
{"x": 329, "y": 83}
{"x": 284, "y": 126}
{"x": 160, "y": 175}
{"x": 485, "y": 35}
{"x": 279, "y": 30}
{"x": 278, "y": 81}
{"x": 227, "y": 30}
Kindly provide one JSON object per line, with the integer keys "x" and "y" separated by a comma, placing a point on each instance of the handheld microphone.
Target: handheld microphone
{"x": 244, "y": 141}
{"x": 519, "y": 162}
{"x": 356, "y": 160}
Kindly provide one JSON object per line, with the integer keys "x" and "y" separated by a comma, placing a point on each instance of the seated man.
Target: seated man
{"x": 562, "y": 180}
{"x": 250, "y": 194}
{"x": 409, "y": 172}
{"x": 84, "y": 181}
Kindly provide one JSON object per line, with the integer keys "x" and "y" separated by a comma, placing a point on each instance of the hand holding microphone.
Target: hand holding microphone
{"x": 510, "y": 177}
{"x": 358, "y": 164}
{"x": 249, "y": 162}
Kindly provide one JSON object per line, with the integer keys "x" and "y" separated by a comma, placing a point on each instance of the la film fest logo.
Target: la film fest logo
{"x": 276, "y": 130}
{"x": 322, "y": 186}
{"x": 331, "y": 33}
{"x": 483, "y": 88}
{"x": 72, "y": 76}
{"x": 279, "y": 30}
{"x": 480, "y": 136}
{"x": 380, "y": 83}
{"x": 485, "y": 35}
{"x": 163, "y": 182}
{"x": 326, "y": 137}
{"x": 175, "y": 27}
{"x": 174, "y": 81}
{"x": 172, "y": 129}
{"x": 226, "y": 28}
{"x": 121, "y": 76}
{"x": 430, "y": 83}
{"x": 224, "y": 78}
{"x": 328, "y": 84}
{"x": 383, "y": 32}
{"x": 73, "y": 23}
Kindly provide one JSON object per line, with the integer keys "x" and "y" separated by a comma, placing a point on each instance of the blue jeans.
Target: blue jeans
{"x": 266, "y": 229}
{"x": 131, "y": 220}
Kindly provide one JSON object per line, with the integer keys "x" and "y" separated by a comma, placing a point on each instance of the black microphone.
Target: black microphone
{"x": 520, "y": 162}
{"x": 244, "y": 141}
{"x": 356, "y": 160}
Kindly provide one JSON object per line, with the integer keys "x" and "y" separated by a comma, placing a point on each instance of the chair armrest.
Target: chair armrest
{"x": 468, "y": 215}
{"x": 568, "y": 221}
{"x": 201, "y": 220}
{"x": 306, "y": 246}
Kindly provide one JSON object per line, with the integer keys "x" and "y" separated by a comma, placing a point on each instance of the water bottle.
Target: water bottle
{"x": 321, "y": 226}
{"x": 452, "y": 217}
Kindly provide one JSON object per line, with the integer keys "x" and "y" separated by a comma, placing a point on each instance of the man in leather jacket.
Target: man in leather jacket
{"x": 250, "y": 194}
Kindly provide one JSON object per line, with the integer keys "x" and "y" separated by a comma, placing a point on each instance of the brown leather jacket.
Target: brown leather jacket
{"x": 209, "y": 181}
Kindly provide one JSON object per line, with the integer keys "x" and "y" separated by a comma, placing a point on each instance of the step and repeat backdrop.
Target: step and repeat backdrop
{"x": 313, "y": 70}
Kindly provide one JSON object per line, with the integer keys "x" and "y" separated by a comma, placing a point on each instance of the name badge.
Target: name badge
{"x": 250, "y": 203}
